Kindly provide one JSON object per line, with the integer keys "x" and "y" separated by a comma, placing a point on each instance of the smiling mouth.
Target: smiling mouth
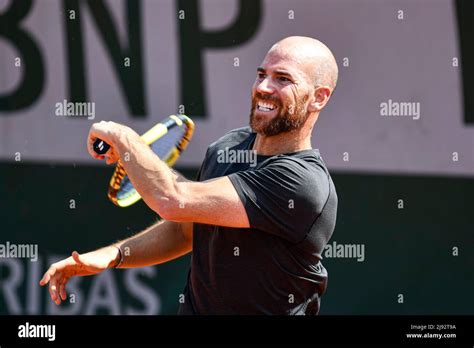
{"x": 265, "y": 106}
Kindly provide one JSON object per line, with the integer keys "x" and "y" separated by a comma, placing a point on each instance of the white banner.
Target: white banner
{"x": 398, "y": 106}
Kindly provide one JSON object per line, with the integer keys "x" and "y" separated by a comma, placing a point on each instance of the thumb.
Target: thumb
{"x": 77, "y": 257}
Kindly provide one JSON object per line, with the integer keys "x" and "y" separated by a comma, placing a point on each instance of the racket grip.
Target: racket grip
{"x": 100, "y": 147}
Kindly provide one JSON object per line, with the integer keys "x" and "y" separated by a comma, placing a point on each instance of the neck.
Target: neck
{"x": 287, "y": 142}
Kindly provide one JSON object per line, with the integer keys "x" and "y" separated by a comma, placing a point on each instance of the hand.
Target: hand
{"x": 60, "y": 272}
{"x": 111, "y": 133}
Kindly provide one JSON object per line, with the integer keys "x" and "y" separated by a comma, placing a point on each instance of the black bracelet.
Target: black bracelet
{"x": 121, "y": 257}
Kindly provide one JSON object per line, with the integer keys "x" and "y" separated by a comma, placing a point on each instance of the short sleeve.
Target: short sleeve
{"x": 283, "y": 198}
{"x": 200, "y": 174}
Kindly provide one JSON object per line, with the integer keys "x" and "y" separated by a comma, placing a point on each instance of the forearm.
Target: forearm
{"x": 170, "y": 195}
{"x": 151, "y": 177}
{"x": 162, "y": 242}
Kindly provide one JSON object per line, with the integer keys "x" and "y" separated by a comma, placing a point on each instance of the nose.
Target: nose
{"x": 264, "y": 86}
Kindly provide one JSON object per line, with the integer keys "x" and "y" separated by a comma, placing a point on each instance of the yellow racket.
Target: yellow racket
{"x": 167, "y": 139}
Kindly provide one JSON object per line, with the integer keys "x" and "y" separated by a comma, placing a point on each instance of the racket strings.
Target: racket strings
{"x": 167, "y": 148}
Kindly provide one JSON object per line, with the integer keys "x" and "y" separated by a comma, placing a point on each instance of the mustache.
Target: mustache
{"x": 266, "y": 97}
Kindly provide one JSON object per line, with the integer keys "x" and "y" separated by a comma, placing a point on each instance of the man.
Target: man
{"x": 257, "y": 230}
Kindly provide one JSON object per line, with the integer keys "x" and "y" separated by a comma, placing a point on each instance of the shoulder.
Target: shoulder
{"x": 305, "y": 173}
{"x": 231, "y": 138}
{"x": 235, "y": 139}
{"x": 306, "y": 164}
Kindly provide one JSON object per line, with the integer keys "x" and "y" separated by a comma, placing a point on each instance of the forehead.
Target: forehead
{"x": 290, "y": 62}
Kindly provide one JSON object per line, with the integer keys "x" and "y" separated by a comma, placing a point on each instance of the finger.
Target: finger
{"x": 90, "y": 144}
{"x": 45, "y": 279}
{"x": 52, "y": 294}
{"x": 110, "y": 160}
{"x": 112, "y": 156}
{"x": 47, "y": 276}
{"x": 62, "y": 289}
{"x": 98, "y": 130}
{"x": 53, "y": 287}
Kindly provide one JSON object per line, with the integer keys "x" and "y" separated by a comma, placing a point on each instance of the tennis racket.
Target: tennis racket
{"x": 167, "y": 139}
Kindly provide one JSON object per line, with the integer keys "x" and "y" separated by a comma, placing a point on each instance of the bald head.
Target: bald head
{"x": 313, "y": 57}
{"x": 292, "y": 86}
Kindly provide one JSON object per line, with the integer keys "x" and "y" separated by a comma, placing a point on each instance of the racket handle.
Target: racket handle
{"x": 100, "y": 147}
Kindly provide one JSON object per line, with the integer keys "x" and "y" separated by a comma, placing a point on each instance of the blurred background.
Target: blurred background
{"x": 397, "y": 136}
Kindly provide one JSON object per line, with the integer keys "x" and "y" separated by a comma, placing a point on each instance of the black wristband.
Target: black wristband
{"x": 121, "y": 257}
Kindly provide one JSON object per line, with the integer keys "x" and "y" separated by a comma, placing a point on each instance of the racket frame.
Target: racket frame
{"x": 152, "y": 135}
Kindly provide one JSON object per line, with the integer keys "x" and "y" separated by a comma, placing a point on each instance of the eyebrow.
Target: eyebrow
{"x": 279, "y": 72}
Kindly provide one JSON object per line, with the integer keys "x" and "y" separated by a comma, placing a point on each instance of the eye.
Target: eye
{"x": 260, "y": 75}
{"x": 284, "y": 79}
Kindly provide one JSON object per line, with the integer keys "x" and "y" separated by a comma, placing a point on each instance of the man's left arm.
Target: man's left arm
{"x": 174, "y": 198}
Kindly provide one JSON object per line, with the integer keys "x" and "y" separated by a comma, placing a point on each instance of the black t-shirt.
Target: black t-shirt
{"x": 273, "y": 267}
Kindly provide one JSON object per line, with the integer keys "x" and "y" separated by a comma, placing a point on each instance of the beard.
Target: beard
{"x": 288, "y": 118}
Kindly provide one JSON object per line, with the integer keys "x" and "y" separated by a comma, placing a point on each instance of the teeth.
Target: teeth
{"x": 265, "y": 106}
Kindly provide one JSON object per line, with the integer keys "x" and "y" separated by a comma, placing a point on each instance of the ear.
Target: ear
{"x": 320, "y": 98}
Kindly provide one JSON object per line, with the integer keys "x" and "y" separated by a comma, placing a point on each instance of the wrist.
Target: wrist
{"x": 116, "y": 256}
{"x": 124, "y": 137}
